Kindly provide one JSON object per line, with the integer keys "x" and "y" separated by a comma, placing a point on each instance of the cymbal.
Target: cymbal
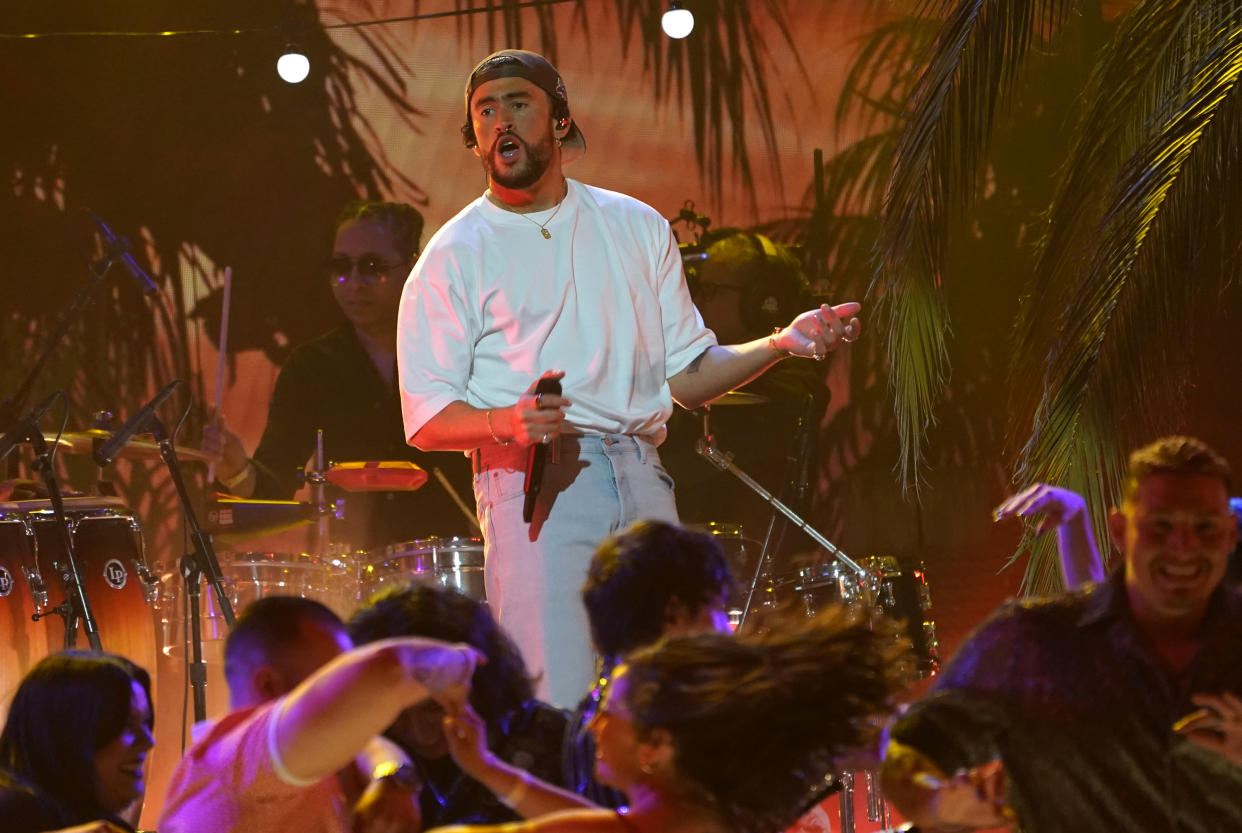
{"x": 739, "y": 397}
{"x": 376, "y": 476}
{"x": 141, "y": 447}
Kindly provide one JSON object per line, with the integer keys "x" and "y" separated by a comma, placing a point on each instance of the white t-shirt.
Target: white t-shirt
{"x": 491, "y": 305}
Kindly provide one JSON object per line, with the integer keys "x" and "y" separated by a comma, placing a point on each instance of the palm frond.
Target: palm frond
{"x": 939, "y": 158}
{"x": 1138, "y": 71}
{"x": 880, "y": 80}
{"x": 1167, "y": 233}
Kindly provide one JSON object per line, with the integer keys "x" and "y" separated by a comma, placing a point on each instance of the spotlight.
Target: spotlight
{"x": 293, "y": 66}
{"x": 677, "y": 22}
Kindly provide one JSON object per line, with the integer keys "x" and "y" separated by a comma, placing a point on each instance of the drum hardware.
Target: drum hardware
{"x": 38, "y": 587}
{"x": 77, "y": 607}
{"x": 845, "y": 800}
{"x": 317, "y": 479}
{"x": 723, "y": 462}
{"x": 233, "y": 520}
{"x": 198, "y": 561}
{"x": 877, "y": 808}
{"x": 150, "y": 584}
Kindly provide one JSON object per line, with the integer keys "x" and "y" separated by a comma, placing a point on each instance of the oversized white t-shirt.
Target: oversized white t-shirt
{"x": 491, "y": 305}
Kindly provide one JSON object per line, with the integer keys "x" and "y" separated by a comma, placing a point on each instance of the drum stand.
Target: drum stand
{"x": 199, "y": 561}
{"x": 76, "y": 607}
{"x": 723, "y": 462}
{"x": 877, "y": 808}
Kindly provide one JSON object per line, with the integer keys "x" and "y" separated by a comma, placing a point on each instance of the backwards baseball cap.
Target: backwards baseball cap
{"x": 518, "y": 63}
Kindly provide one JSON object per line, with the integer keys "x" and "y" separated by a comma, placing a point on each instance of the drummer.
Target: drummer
{"x": 344, "y": 382}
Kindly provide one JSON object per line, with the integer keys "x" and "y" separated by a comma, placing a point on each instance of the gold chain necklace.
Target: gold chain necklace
{"x": 543, "y": 227}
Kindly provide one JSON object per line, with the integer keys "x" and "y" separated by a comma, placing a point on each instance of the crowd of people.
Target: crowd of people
{"x": 1117, "y": 705}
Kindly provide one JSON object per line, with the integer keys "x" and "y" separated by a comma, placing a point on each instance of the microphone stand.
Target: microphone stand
{"x": 12, "y": 407}
{"x": 199, "y": 561}
{"x": 76, "y": 607}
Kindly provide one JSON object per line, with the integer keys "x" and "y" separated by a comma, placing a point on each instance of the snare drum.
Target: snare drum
{"x": 823, "y": 585}
{"x": 901, "y": 594}
{"x": 249, "y": 576}
{"x": 107, "y": 541}
{"x": 456, "y": 563}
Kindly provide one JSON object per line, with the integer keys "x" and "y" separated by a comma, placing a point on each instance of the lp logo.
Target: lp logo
{"x": 115, "y": 574}
{"x": 6, "y": 582}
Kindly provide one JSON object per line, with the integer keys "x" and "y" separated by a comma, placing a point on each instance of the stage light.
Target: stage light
{"x": 677, "y": 22}
{"x": 293, "y": 66}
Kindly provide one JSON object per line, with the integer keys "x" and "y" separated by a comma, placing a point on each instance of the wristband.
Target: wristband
{"x": 236, "y": 480}
{"x": 492, "y": 430}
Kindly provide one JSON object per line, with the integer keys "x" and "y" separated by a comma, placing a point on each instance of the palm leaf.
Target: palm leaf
{"x": 1138, "y": 71}
{"x": 973, "y": 66}
{"x": 1170, "y": 215}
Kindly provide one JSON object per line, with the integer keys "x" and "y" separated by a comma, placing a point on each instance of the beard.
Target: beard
{"x": 536, "y": 158}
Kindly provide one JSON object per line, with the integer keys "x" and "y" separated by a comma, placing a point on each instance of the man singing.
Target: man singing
{"x": 547, "y": 277}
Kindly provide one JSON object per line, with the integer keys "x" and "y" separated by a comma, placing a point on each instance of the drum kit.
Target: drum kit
{"x": 881, "y": 584}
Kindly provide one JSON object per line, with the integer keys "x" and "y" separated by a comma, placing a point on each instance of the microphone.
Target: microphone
{"x": 24, "y": 426}
{"x": 538, "y": 457}
{"x": 118, "y": 249}
{"x": 107, "y": 452}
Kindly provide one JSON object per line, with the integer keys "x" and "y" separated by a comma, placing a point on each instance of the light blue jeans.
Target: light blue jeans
{"x": 593, "y": 486}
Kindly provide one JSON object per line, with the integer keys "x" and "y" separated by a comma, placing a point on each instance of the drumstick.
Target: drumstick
{"x": 461, "y": 504}
{"x": 221, "y": 360}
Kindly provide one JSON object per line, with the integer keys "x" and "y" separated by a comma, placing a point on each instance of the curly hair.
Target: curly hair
{"x": 793, "y": 701}
{"x": 403, "y": 221}
{"x": 499, "y": 686}
{"x": 1175, "y": 455}
{"x": 67, "y": 708}
{"x": 636, "y": 573}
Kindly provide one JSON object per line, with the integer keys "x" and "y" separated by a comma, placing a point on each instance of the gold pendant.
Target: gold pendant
{"x": 547, "y": 235}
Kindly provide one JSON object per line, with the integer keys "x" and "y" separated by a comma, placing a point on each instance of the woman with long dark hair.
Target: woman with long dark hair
{"x": 75, "y": 743}
{"x": 716, "y": 733}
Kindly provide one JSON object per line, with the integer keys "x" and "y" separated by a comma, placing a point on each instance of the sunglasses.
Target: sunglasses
{"x": 370, "y": 269}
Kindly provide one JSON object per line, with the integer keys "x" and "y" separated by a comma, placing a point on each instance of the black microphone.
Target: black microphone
{"x": 538, "y": 456}
{"x": 118, "y": 249}
{"x": 107, "y": 452}
{"x": 27, "y": 424}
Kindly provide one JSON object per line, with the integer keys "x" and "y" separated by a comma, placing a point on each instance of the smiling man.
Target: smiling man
{"x": 1112, "y": 708}
{"x": 543, "y": 276}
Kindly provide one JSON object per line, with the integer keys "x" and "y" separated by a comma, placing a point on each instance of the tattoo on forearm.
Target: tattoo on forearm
{"x": 693, "y": 367}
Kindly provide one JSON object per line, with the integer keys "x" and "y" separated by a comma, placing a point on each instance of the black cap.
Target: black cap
{"x": 518, "y": 63}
